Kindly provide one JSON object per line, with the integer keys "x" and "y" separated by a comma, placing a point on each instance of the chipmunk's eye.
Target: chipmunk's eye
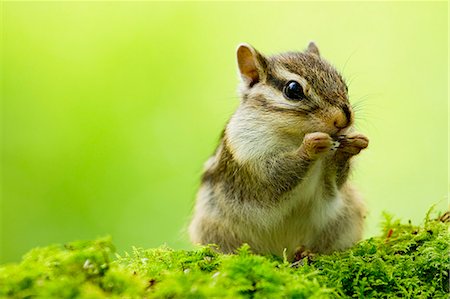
{"x": 293, "y": 91}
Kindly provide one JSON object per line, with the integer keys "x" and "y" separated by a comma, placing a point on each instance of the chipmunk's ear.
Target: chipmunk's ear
{"x": 252, "y": 64}
{"x": 312, "y": 48}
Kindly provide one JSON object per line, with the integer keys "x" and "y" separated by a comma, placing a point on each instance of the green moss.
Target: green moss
{"x": 406, "y": 261}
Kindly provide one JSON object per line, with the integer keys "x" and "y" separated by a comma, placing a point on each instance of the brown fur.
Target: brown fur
{"x": 274, "y": 181}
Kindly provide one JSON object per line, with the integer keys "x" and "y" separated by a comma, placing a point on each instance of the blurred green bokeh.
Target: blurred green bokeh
{"x": 109, "y": 109}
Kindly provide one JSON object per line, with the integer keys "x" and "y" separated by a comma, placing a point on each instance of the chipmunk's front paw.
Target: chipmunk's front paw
{"x": 316, "y": 144}
{"x": 352, "y": 143}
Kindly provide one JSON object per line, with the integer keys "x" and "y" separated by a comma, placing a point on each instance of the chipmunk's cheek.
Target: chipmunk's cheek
{"x": 313, "y": 124}
{"x": 288, "y": 126}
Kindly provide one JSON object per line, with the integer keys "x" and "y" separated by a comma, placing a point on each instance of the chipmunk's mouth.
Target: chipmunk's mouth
{"x": 340, "y": 132}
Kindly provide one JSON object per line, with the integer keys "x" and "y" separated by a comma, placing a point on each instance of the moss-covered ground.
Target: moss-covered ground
{"x": 405, "y": 261}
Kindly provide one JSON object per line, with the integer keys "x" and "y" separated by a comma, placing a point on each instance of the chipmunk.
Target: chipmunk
{"x": 278, "y": 179}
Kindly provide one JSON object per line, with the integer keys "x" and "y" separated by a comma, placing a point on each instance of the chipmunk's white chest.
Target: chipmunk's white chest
{"x": 301, "y": 216}
{"x": 311, "y": 208}
{"x": 312, "y": 186}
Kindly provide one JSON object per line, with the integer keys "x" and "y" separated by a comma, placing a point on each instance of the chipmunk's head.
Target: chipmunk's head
{"x": 297, "y": 92}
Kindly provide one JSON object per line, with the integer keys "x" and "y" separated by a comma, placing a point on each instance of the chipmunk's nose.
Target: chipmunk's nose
{"x": 342, "y": 117}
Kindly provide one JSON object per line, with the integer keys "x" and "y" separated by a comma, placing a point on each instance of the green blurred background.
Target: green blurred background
{"x": 109, "y": 109}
